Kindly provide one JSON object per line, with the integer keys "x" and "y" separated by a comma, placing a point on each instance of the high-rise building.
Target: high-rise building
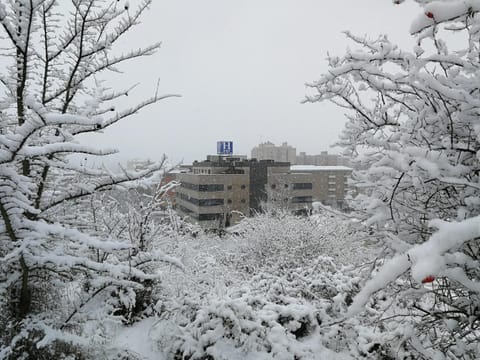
{"x": 322, "y": 159}
{"x": 285, "y": 152}
{"x": 269, "y": 151}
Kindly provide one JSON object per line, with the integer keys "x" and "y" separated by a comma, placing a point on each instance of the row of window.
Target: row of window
{"x": 200, "y": 217}
{"x": 203, "y": 187}
{"x": 301, "y": 199}
{"x": 302, "y": 186}
{"x": 296, "y": 186}
{"x": 208, "y": 187}
{"x": 201, "y": 202}
{"x": 202, "y": 171}
{"x": 184, "y": 210}
{"x": 209, "y": 217}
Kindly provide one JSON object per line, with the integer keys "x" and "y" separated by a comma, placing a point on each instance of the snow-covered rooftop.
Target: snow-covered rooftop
{"x": 319, "y": 168}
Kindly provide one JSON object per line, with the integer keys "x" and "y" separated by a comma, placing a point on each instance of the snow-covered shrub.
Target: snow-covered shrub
{"x": 414, "y": 132}
{"x": 267, "y": 317}
{"x": 280, "y": 240}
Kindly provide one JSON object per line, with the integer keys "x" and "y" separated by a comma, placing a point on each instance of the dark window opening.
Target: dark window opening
{"x": 302, "y": 186}
{"x": 200, "y": 202}
{"x": 209, "y": 217}
{"x": 301, "y": 199}
{"x": 203, "y": 187}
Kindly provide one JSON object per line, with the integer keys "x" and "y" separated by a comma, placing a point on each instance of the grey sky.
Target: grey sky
{"x": 240, "y": 67}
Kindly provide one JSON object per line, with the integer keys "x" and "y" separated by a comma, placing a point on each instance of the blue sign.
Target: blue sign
{"x": 224, "y": 147}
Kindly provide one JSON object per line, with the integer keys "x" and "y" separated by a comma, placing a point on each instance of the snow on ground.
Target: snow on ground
{"x": 136, "y": 340}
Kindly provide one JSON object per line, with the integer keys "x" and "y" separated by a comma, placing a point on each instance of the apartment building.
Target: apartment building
{"x": 220, "y": 191}
{"x": 269, "y": 151}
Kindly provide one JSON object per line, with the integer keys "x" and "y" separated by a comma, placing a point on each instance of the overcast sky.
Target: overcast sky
{"x": 241, "y": 68}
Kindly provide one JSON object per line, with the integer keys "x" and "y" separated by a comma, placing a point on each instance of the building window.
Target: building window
{"x": 301, "y": 199}
{"x": 243, "y": 201}
{"x": 243, "y": 187}
{"x": 184, "y": 209}
{"x": 208, "y": 217}
{"x": 229, "y": 187}
{"x": 203, "y": 187}
{"x": 210, "y": 202}
{"x": 273, "y": 186}
{"x": 302, "y": 186}
{"x": 200, "y": 202}
{"x": 229, "y": 201}
{"x": 210, "y": 187}
{"x": 286, "y": 186}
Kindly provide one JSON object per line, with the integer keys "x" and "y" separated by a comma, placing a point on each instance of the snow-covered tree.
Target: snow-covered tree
{"x": 413, "y": 126}
{"x": 52, "y": 92}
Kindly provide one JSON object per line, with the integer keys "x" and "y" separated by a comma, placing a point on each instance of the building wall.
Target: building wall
{"x": 291, "y": 191}
{"x": 234, "y": 194}
{"x": 260, "y": 171}
{"x": 329, "y": 182}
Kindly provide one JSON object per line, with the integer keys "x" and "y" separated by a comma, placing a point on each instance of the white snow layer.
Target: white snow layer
{"x": 424, "y": 260}
{"x": 443, "y": 11}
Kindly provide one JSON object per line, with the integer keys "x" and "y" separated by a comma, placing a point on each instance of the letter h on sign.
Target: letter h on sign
{"x": 224, "y": 147}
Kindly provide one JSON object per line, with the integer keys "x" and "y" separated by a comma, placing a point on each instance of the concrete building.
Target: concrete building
{"x": 322, "y": 159}
{"x": 285, "y": 152}
{"x": 329, "y": 183}
{"x": 269, "y": 151}
{"x": 220, "y": 191}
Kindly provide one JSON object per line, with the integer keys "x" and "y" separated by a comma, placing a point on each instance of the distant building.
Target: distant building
{"x": 220, "y": 191}
{"x": 139, "y": 164}
{"x": 323, "y": 159}
{"x": 269, "y": 151}
{"x": 285, "y": 152}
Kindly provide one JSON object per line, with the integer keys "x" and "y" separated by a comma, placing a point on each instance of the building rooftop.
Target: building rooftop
{"x": 319, "y": 168}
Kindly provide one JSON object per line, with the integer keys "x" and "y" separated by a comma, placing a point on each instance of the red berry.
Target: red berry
{"x": 429, "y": 14}
{"x": 428, "y": 279}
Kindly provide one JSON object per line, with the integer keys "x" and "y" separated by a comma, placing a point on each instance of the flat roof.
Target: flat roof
{"x": 319, "y": 168}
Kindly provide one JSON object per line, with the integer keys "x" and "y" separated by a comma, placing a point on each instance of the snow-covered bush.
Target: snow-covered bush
{"x": 279, "y": 241}
{"x": 268, "y": 317}
{"x": 275, "y": 239}
{"x": 414, "y": 131}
